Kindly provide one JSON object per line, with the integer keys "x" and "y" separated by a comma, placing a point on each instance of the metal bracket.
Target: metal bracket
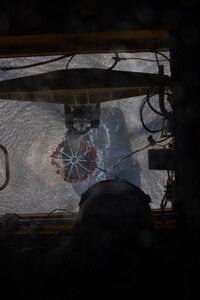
{"x": 7, "y": 172}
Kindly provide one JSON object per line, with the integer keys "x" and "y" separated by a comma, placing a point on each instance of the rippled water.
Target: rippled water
{"x": 31, "y": 131}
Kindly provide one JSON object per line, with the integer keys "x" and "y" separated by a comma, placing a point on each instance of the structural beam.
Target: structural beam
{"x": 90, "y": 42}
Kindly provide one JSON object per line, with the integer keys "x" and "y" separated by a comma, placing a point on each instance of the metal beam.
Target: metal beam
{"x": 87, "y": 42}
{"x": 81, "y": 86}
{"x": 56, "y": 222}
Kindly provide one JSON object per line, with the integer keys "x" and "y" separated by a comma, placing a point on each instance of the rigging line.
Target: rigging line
{"x": 82, "y": 166}
{"x": 97, "y": 167}
{"x": 64, "y": 166}
{"x": 77, "y": 171}
{"x": 62, "y": 152}
{"x": 103, "y": 170}
{"x": 85, "y": 153}
{"x": 70, "y": 170}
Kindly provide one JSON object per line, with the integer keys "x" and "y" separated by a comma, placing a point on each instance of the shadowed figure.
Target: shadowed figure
{"x": 113, "y": 240}
{"x": 113, "y": 251}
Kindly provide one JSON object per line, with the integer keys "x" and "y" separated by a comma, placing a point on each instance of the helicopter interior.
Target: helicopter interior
{"x": 171, "y": 34}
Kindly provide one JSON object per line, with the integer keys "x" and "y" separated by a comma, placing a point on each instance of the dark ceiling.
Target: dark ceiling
{"x": 37, "y": 17}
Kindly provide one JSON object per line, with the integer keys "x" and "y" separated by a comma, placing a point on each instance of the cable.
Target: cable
{"x": 164, "y": 144}
{"x": 139, "y": 58}
{"x": 151, "y": 106}
{"x": 146, "y": 59}
{"x": 33, "y": 65}
{"x": 51, "y": 212}
{"x": 157, "y": 61}
{"x": 163, "y": 205}
{"x": 160, "y": 53}
{"x": 127, "y": 156}
{"x": 168, "y": 195}
{"x": 116, "y": 59}
{"x": 70, "y": 60}
{"x": 61, "y": 209}
{"x": 164, "y": 112}
{"x": 163, "y": 140}
{"x": 97, "y": 167}
{"x": 144, "y": 101}
{"x": 156, "y": 111}
{"x": 152, "y": 142}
